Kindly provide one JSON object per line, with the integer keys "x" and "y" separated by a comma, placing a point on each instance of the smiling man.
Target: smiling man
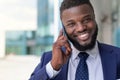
{"x": 78, "y": 55}
{"x": 80, "y": 26}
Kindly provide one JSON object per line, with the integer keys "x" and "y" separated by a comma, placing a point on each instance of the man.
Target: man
{"x": 64, "y": 63}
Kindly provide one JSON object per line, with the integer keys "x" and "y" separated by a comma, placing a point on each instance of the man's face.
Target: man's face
{"x": 80, "y": 26}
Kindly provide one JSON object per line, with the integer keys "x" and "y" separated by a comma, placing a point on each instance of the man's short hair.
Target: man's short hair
{"x": 66, "y": 4}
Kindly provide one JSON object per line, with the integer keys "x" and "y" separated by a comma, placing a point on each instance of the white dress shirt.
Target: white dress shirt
{"x": 93, "y": 62}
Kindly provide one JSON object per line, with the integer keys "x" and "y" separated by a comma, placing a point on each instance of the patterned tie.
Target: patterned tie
{"x": 82, "y": 69}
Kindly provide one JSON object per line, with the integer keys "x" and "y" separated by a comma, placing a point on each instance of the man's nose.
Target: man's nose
{"x": 80, "y": 27}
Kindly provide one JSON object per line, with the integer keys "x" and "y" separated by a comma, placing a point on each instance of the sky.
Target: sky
{"x": 18, "y": 14}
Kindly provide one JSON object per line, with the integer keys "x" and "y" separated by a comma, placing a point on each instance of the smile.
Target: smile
{"x": 83, "y": 36}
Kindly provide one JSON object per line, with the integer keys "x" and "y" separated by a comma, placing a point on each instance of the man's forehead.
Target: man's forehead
{"x": 81, "y": 9}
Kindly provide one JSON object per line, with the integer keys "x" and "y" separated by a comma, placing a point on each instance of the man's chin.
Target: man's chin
{"x": 82, "y": 46}
{"x": 84, "y": 43}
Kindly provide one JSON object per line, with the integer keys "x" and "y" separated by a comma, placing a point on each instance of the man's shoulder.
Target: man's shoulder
{"x": 46, "y": 57}
{"x": 47, "y": 54}
{"x": 115, "y": 50}
{"x": 109, "y": 46}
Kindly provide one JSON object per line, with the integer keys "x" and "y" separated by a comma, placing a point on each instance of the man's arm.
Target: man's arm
{"x": 40, "y": 71}
{"x": 57, "y": 58}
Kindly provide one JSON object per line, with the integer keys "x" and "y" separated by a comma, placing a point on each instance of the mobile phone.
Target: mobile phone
{"x": 64, "y": 33}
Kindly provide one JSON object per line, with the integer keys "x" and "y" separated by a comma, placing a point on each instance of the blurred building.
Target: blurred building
{"x": 48, "y": 25}
{"x": 34, "y": 42}
{"x": 16, "y": 18}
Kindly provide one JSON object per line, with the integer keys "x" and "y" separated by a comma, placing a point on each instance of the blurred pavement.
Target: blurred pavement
{"x": 14, "y": 67}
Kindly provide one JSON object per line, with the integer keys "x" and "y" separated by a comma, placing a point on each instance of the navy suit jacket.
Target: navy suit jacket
{"x": 110, "y": 57}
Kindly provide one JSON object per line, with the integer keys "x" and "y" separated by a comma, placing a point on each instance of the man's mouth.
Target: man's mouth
{"x": 83, "y": 36}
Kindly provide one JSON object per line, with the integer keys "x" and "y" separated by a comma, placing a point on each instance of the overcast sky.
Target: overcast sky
{"x": 18, "y": 14}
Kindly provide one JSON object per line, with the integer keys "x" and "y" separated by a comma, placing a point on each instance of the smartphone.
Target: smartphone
{"x": 64, "y": 33}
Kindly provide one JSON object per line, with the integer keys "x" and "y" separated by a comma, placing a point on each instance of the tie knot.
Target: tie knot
{"x": 83, "y": 55}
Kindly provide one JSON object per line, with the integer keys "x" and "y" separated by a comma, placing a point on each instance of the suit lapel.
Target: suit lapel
{"x": 65, "y": 71}
{"x": 108, "y": 60}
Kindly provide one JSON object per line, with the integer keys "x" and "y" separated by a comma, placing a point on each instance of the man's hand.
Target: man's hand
{"x": 59, "y": 57}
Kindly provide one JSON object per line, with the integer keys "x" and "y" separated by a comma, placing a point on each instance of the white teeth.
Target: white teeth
{"x": 83, "y": 35}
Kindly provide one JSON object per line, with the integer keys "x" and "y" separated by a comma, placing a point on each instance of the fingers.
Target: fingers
{"x": 60, "y": 43}
{"x": 63, "y": 41}
{"x": 60, "y": 56}
{"x": 60, "y": 34}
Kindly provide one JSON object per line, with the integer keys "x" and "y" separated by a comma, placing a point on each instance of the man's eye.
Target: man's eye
{"x": 71, "y": 25}
{"x": 87, "y": 20}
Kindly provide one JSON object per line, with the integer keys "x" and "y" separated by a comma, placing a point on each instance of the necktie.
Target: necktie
{"x": 82, "y": 69}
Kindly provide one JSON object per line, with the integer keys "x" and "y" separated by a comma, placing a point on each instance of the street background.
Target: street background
{"x": 14, "y": 67}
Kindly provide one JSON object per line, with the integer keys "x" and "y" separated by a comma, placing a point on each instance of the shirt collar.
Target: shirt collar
{"x": 92, "y": 53}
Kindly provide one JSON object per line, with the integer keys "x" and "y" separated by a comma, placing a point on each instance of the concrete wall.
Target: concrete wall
{"x": 103, "y": 11}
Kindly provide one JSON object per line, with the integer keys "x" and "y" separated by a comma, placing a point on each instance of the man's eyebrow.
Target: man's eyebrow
{"x": 88, "y": 15}
{"x": 69, "y": 20}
